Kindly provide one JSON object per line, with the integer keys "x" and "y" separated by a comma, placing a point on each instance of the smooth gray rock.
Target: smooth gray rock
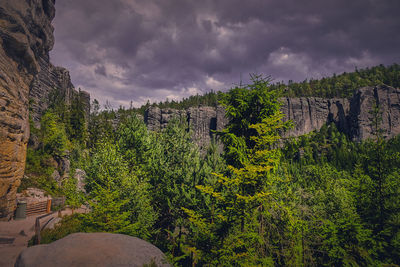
{"x": 95, "y": 249}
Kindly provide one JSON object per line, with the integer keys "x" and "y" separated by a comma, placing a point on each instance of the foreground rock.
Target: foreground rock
{"x": 97, "y": 249}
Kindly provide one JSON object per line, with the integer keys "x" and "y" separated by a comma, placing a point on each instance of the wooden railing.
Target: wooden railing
{"x": 39, "y": 228}
{"x": 38, "y": 208}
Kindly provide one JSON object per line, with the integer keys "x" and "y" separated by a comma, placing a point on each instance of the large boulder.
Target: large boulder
{"x": 95, "y": 249}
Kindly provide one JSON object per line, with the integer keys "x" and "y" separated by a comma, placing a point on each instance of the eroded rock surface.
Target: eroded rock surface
{"x": 95, "y": 249}
{"x": 311, "y": 113}
{"x": 53, "y": 84}
{"x": 352, "y": 117}
{"x": 27, "y": 81}
{"x": 26, "y": 34}
{"x": 202, "y": 120}
{"x": 361, "y": 115}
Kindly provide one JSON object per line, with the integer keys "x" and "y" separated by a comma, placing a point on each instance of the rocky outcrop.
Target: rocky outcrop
{"x": 311, "y": 113}
{"x": 361, "y": 115}
{"x": 96, "y": 249}
{"x": 33, "y": 195}
{"x": 26, "y": 35}
{"x": 27, "y": 79}
{"x": 352, "y": 117}
{"x": 53, "y": 84}
{"x": 202, "y": 120}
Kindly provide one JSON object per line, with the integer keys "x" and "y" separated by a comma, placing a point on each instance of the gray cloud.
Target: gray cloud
{"x": 125, "y": 50}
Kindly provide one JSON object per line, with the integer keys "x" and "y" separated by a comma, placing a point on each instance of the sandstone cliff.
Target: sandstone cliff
{"x": 352, "y": 116}
{"x": 52, "y": 80}
{"x": 27, "y": 78}
{"x": 26, "y": 34}
{"x": 363, "y": 102}
{"x": 202, "y": 120}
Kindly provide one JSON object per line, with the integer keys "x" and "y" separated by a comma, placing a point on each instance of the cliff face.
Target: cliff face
{"x": 361, "y": 106}
{"x": 311, "y": 113}
{"x": 202, "y": 120}
{"x": 49, "y": 81}
{"x": 26, "y": 34}
{"x": 352, "y": 117}
{"x": 27, "y": 78}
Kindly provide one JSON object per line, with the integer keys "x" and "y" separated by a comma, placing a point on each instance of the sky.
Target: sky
{"x": 131, "y": 51}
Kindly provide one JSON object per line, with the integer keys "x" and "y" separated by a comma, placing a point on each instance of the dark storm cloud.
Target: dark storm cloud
{"x": 125, "y": 50}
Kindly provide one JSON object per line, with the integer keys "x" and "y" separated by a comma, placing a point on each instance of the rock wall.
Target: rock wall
{"x": 26, "y": 34}
{"x": 352, "y": 116}
{"x": 362, "y": 104}
{"x": 202, "y": 120}
{"x": 311, "y": 113}
{"x": 49, "y": 81}
{"x": 27, "y": 80}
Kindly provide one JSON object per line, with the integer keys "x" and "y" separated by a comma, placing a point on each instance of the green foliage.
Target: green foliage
{"x": 245, "y": 106}
{"x": 100, "y": 124}
{"x": 323, "y": 146}
{"x": 244, "y": 195}
{"x": 68, "y": 225}
{"x": 72, "y": 116}
{"x": 77, "y": 121}
{"x": 38, "y": 169}
{"x": 316, "y": 200}
{"x": 74, "y": 199}
{"x": 174, "y": 168}
{"x": 345, "y": 84}
{"x": 53, "y": 135}
{"x": 118, "y": 198}
{"x": 332, "y": 232}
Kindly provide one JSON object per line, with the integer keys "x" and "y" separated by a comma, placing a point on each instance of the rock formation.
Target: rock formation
{"x": 311, "y": 113}
{"x": 27, "y": 79}
{"x": 202, "y": 120}
{"x": 53, "y": 81}
{"x": 362, "y": 104}
{"x": 352, "y": 117}
{"x": 96, "y": 249}
{"x": 26, "y": 34}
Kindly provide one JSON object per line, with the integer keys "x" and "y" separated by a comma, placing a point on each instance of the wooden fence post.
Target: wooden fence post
{"x": 48, "y": 206}
{"x": 37, "y": 230}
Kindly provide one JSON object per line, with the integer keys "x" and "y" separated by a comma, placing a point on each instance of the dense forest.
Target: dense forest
{"x": 316, "y": 200}
{"x": 341, "y": 86}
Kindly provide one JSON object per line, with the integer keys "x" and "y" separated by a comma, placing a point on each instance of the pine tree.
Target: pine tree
{"x": 243, "y": 195}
